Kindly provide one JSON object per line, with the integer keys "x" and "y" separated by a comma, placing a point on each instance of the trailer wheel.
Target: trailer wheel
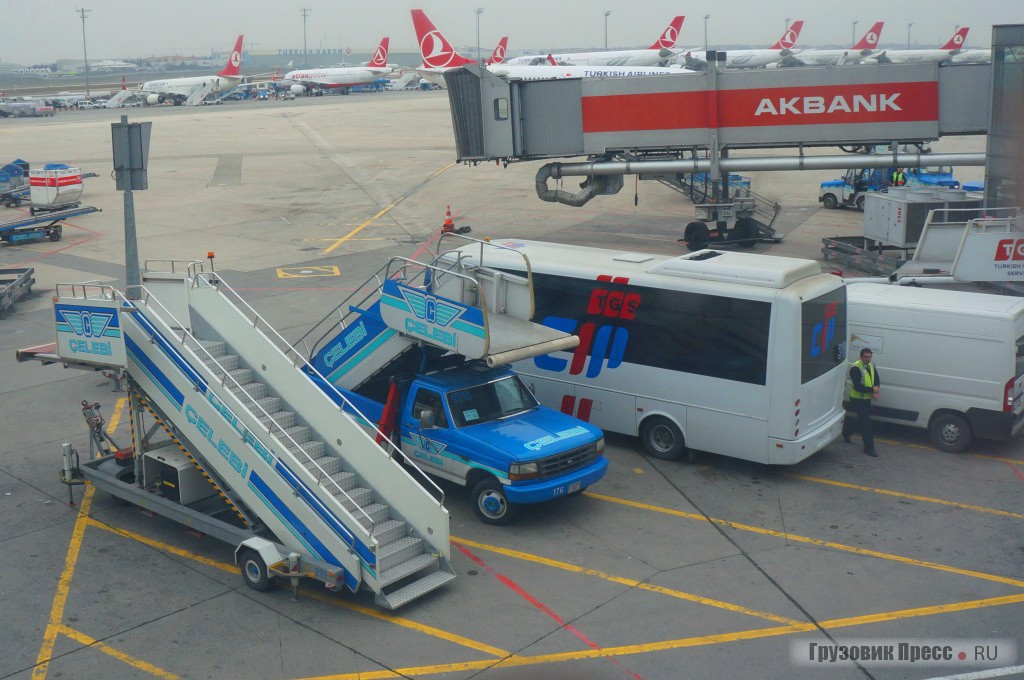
{"x": 829, "y": 201}
{"x": 950, "y": 432}
{"x": 490, "y": 503}
{"x": 860, "y": 203}
{"x": 254, "y": 571}
{"x": 745, "y": 232}
{"x": 662, "y": 439}
{"x": 696, "y": 236}
{"x": 54, "y": 234}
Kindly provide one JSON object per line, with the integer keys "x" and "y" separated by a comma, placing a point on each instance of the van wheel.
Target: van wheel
{"x": 254, "y": 571}
{"x": 950, "y": 432}
{"x": 829, "y": 201}
{"x": 860, "y": 203}
{"x": 662, "y": 439}
{"x": 490, "y": 503}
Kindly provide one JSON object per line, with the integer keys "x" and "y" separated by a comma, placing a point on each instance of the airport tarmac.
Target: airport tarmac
{"x": 719, "y": 568}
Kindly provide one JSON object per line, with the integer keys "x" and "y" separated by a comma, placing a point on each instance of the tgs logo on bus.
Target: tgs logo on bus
{"x": 824, "y": 331}
{"x": 599, "y": 341}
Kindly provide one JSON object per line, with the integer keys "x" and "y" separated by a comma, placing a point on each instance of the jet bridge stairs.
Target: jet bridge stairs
{"x": 242, "y": 402}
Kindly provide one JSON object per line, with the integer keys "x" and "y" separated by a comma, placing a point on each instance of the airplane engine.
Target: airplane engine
{"x": 297, "y": 89}
{"x": 155, "y": 99}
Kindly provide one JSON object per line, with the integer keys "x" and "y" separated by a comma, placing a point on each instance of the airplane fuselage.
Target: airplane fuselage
{"x": 620, "y": 58}
{"x": 336, "y": 77}
{"x": 910, "y": 56}
{"x": 183, "y": 87}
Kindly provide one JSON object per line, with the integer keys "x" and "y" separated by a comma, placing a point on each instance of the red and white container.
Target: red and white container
{"x": 55, "y": 187}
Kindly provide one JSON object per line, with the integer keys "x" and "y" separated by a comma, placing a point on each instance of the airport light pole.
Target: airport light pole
{"x": 908, "y": 34}
{"x": 85, "y": 51}
{"x": 706, "y": 17}
{"x": 479, "y": 11}
{"x": 853, "y": 35}
{"x": 305, "y": 52}
{"x": 607, "y": 14}
{"x": 787, "y": 26}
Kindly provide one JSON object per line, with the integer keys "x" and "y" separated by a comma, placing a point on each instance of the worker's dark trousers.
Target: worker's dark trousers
{"x": 862, "y": 407}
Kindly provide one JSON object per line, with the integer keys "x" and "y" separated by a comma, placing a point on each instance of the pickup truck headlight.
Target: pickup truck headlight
{"x": 520, "y": 471}
{"x": 600, "y": 446}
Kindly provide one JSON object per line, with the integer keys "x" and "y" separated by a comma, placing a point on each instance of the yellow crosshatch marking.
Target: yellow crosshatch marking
{"x": 306, "y": 272}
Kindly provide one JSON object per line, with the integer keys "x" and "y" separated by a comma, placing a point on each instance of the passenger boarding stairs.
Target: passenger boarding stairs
{"x": 250, "y": 413}
{"x": 476, "y": 312}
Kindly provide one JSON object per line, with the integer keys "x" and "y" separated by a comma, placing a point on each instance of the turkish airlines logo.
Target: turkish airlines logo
{"x": 669, "y": 37}
{"x": 789, "y": 39}
{"x": 958, "y": 39}
{"x": 871, "y": 38}
{"x": 1009, "y": 249}
{"x": 380, "y": 56}
{"x": 236, "y": 58}
{"x": 439, "y": 54}
{"x": 499, "y": 54}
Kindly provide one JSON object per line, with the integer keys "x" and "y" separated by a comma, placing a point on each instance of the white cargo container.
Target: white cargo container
{"x": 55, "y": 187}
{"x": 949, "y": 361}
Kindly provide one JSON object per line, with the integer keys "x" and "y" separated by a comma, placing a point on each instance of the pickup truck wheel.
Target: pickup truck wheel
{"x": 490, "y": 503}
{"x": 829, "y": 201}
{"x": 950, "y": 432}
{"x": 254, "y": 571}
{"x": 662, "y": 439}
{"x": 860, "y": 203}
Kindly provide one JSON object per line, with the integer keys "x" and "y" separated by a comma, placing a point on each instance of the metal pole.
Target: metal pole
{"x": 479, "y": 11}
{"x": 606, "y": 15}
{"x": 908, "y": 34}
{"x": 787, "y": 26}
{"x": 305, "y": 52}
{"x": 853, "y": 34}
{"x": 706, "y": 17}
{"x": 85, "y": 52}
{"x": 133, "y": 279}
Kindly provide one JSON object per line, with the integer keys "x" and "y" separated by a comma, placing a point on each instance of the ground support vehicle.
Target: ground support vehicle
{"x": 731, "y": 353}
{"x": 421, "y": 350}
{"x": 851, "y": 189}
{"x": 13, "y": 198}
{"x": 44, "y": 225}
{"x": 14, "y": 285}
{"x": 740, "y": 221}
{"x": 232, "y": 438}
{"x": 951, "y": 361}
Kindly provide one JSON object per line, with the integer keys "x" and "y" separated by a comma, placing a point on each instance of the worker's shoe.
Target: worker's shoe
{"x": 846, "y": 438}
{"x": 871, "y": 453}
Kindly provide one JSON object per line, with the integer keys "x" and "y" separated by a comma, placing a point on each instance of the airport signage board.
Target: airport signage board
{"x": 840, "y": 105}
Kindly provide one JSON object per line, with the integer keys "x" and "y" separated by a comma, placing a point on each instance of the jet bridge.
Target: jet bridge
{"x": 665, "y": 127}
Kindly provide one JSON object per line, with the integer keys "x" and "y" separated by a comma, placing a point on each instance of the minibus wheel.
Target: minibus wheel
{"x": 662, "y": 438}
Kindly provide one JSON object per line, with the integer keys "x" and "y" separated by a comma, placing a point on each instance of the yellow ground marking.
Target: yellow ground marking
{"x": 383, "y": 211}
{"x": 665, "y": 645}
{"x": 900, "y": 494}
{"x": 115, "y": 417}
{"x": 60, "y": 598}
{"x": 999, "y": 458}
{"x": 143, "y": 666}
{"x": 313, "y": 595}
{"x": 633, "y": 583}
{"x": 307, "y": 272}
{"x": 811, "y": 541}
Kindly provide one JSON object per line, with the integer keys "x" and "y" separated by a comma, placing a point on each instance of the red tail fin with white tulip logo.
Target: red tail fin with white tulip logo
{"x": 668, "y": 37}
{"x": 957, "y": 41}
{"x": 234, "y": 61}
{"x": 498, "y": 57}
{"x": 871, "y": 38}
{"x": 789, "y": 38}
{"x": 380, "y": 57}
{"x": 435, "y": 49}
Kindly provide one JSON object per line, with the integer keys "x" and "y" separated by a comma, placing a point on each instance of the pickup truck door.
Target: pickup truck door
{"x": 428, "y": 445}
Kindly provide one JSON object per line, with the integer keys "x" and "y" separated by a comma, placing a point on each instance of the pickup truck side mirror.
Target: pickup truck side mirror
{"x": 427, "y": 418}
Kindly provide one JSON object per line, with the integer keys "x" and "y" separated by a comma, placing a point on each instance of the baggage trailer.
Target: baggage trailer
{"x": 14, "y": 285}
{"x": 45, "y": 225}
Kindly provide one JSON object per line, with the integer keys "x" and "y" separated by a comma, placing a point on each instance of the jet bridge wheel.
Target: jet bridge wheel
{"x": 254, "y": 571}
{"x": 696, "y": 235}
{"x": 745, "y": 232}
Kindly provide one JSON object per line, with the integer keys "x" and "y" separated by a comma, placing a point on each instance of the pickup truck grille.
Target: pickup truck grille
{"x": 555, "y": 466}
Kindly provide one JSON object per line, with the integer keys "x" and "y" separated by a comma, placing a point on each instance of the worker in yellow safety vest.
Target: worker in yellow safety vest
{"x": 864, "y": 389}
{"x": 899, "y": 178}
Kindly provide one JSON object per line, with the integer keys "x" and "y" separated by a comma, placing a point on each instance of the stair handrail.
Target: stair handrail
{"x": 214, "y": 281}
{"x": 151, "y": 300}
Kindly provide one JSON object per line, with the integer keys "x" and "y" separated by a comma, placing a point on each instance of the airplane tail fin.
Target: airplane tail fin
{"x": 957, "y": 41}
{"x": 380, "y": 57}
{"x": 234, "y": 61}
{"x": 789, "y": 38}
{"x": 668, "y": 37}
{"x": 498, "y": 57}
{"x": 277, "y": 73}
{"x": 870, "y": 39}
{"x": 435, "y": 49}
{"x": 124, "y": 85}
{"x": 551, "y": 61}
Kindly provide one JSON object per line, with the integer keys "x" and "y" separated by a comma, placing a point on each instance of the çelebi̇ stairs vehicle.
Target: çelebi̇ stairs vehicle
{"x": 260, "y": 449}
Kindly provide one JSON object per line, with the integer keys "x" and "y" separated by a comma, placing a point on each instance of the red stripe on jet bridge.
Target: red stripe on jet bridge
{"x": 812, "y": 105}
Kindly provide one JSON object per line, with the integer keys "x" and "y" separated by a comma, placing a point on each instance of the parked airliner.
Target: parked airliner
{"x": 193, "y": 90}
{"x": 658, "y": 52}
{"x": 953, "y": 47}
{"x": 749, "y": 58}
{"x": 865, "y": 47}
{"x": 343, "y": 77}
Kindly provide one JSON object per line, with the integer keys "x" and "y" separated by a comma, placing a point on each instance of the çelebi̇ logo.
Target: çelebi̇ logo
{"x": 1009, "y": 249}
{"x": 433, "y": 314}
{"x": 91, "y": 326}
{"x": 789, "y": 39}
{"x": 435, "y": 50}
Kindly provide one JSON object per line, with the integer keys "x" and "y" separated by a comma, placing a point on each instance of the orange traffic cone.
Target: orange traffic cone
{"x": 448, "y": 225}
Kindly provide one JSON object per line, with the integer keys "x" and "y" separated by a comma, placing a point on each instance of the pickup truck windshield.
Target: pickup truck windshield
{"x": 490, "y": 401}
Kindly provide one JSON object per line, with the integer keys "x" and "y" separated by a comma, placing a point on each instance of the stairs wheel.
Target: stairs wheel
{"x": 254, "y": 571}
{"x": 696, "y": 236}
{"x": 745, "y": 232}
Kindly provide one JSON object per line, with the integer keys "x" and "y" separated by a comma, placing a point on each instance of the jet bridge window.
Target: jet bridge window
{"x": 501, "y": 109}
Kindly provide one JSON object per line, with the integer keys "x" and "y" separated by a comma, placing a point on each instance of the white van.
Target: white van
{"x": 949, "y": 361}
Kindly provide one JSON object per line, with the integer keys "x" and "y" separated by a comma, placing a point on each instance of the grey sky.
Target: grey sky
{"x": 35, "y": 31}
